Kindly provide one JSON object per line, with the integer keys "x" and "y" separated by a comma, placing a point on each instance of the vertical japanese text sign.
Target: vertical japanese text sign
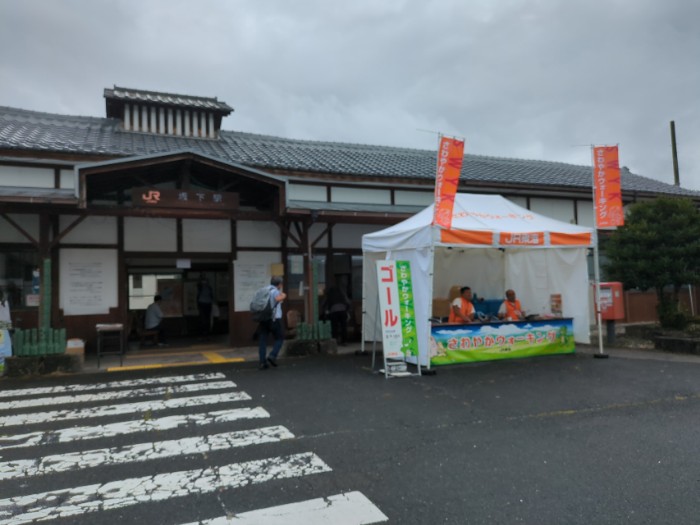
{"x": 389, "y": 309}
{"x": 449, "y": 166}
{"x": 408, "y": 315}
{"x": 608, "y": 190}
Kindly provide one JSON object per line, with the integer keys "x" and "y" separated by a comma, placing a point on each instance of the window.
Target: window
{"x": 19, "y": 278}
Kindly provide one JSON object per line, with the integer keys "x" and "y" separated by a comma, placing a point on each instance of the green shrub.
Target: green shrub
{"x": 671, "y": 317}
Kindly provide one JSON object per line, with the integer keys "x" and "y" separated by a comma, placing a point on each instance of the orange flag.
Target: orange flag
{"x": 449, "y": 166}
{"x": 608, "y": 189}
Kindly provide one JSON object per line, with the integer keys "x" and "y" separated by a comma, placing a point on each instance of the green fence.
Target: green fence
{"x": 39, "y": 341}
{"x": 43, "y": 340}
{"x": 314, "y": 331}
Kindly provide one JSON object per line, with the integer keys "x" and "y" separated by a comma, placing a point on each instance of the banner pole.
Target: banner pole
{"x": 596, "y": 264}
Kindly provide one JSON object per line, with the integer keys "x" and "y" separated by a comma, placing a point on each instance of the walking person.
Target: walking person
{"x": 272, "y": 326}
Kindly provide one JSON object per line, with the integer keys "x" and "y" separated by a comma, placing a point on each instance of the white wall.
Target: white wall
{"x": 67, "y": 179}
{"x": 206, "y": 235}
{"x": 92, "y": 230}
{"x": 559, "y": 209}
{"x": 363, "y": 195}
{"x": 520, "y": 201}
{"x": 26, "y": 177}
{"x": 414, "y": 198}
{"x": 150, "y": 234}
{"x": 585, "y": 213}
{"x": 258, "y": 234}
{"x": 302, "y": 192}
{"x": 350, "y": 235}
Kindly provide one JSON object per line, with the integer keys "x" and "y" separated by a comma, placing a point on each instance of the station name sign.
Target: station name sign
{"x": 173, "y": 198}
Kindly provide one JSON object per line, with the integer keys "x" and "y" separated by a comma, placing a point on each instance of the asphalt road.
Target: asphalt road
{"x": 566, "y": 439}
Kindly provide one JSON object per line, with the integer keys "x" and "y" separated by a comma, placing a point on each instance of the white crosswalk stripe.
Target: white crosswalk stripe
{"x": 141, "y": 452}
{"x": 112, "y": 410}
{"x": 128, "y": 492}
{"x": 351, "y": 508}
{"x": 68, "y": 435}
{"x": 113, "y": 396}
{"x": 127, "y": 383}
{"x": 137, "y": 443}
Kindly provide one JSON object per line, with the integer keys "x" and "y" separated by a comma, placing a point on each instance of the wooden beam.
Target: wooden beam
{"x": 34, "y": 241}
{"x": 65, "y": 232}
{"x": 288, "y": 233}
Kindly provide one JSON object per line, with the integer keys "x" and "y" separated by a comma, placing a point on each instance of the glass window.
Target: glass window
{"x": 143, "y": 287}
{"x": 19, "y": 278}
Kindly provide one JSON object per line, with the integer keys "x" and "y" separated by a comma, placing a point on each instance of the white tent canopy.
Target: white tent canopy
{"x": 493, "y": 245}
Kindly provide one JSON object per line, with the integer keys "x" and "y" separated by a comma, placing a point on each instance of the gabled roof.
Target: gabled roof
{"x": 165, "y": 99}
{"x": 37, "y": 131}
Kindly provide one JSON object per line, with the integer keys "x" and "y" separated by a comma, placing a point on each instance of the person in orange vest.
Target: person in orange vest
{"x": 511, "y": 309}
{"x": 462, "y": 310}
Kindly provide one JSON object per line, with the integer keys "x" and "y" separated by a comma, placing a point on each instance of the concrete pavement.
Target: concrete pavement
{"x": 212, "y": 352}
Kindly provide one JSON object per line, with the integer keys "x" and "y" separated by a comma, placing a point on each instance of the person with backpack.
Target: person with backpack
{"x": 270, "y": 322}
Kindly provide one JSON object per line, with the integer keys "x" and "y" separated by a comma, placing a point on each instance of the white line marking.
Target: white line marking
{"x": 67, "y": 435}
{"x": 127, "y": 492}
{"x": 129, "y": 383}
{"x": 127, "y": 408}
{"x": 140, "y": 452}
{"x": 113, "y": 395}
{"x": 350, "y": 508}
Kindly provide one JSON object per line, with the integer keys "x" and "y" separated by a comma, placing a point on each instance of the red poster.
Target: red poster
{"x": 608, "y": 190}
{"x": 449, "y": 166}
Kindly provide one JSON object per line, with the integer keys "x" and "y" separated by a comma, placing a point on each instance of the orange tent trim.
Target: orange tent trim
{"x": 466, "y": 237}
{"x": 568, "y": 239}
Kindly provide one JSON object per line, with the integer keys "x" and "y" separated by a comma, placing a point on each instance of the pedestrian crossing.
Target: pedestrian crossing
{"x": 95, "y": 452}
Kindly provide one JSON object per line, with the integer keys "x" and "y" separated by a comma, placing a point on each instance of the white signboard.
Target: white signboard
{"x": 248, "y": 277}
{"x": 87, "y": 281}
{"x": 389, "y": 309}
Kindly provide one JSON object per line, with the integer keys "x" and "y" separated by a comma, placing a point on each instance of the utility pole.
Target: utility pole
{"x": 676, "y": 177}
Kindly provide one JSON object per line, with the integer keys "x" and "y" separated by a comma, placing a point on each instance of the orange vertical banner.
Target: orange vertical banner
{"x": 608, "y": 189}
{"x": 449, "y": 166}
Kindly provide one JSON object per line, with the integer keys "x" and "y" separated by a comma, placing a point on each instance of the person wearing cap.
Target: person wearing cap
{"x": 511, "y": 309}
{"x": 272, "y": 326}
{"x": 462, "y": 310}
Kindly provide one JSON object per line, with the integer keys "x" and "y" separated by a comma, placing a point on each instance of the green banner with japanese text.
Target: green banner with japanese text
{"x": 409, "y": 344}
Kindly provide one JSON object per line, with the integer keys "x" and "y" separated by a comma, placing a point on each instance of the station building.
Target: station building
{"x": 155, "y": 194}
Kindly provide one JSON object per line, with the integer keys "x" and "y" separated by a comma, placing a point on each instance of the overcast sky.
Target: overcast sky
{"x": 533, "y": 79}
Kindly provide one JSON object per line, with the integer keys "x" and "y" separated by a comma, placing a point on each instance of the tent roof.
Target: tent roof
{"x": 480, "y": 220}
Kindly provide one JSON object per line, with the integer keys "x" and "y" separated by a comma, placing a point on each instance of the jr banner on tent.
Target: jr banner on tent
{"x": 608, "y": 192}
{"x": 449, "y": 166}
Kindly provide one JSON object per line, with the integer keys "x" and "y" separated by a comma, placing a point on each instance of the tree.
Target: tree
{"x": 658, "y": 246}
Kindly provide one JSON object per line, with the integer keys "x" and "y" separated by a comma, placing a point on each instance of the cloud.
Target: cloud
{"x": 538, "y": 79}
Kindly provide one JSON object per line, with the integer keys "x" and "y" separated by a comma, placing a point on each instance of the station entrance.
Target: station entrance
{"x": 177, "y": 282}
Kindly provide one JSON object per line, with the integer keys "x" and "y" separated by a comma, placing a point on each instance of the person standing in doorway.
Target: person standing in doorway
{"x": 205, "y": 299}
{"x": 337, "y": 306}
{"x": 273, "y": 326}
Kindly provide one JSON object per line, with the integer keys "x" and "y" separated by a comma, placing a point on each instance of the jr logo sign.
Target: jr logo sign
{"x": 152, "y": 197}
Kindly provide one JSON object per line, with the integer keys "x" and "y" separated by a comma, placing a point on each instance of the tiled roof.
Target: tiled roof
{"x": 168, "y": 99}
{"x": 30, "y": 130}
